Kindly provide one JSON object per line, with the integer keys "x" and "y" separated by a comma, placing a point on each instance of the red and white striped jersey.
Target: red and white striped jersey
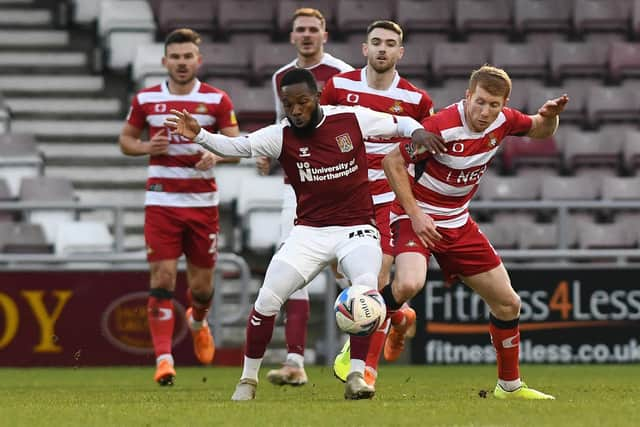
{"x": 172, "y": 179}
{"x": 451, "y": 179}
{"x": 402, "y": 98}
{"x": 322, "y": 71}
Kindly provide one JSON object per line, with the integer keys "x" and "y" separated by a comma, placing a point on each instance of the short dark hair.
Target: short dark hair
{"x": 310, "y": 12}
{"x": 299, "y": 75}
{"x": 182, "y": 35}
{"x": 387, "y": 25}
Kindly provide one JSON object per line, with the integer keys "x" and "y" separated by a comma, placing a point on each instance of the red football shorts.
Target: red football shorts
{"x": 170, "y": 231}
{"x": 462, "y": 251}
{"x": 383, "y": 211}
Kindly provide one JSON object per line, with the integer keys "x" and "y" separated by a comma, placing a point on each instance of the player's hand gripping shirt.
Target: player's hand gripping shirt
{"x": 172, "y": 179}
{"x": 402, "y": 98}
{"x": 451, "y": 179}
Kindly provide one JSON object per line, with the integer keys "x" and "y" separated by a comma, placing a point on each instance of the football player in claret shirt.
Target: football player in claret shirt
{"x": 430, "y": 214}
{"x": 379, "y": 86}
{"x": 322, "y": 151}
{"x": 308, "y": 36}
{"x": 181, "y": 203}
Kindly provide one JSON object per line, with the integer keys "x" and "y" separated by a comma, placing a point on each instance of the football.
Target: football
{"x": 359, "y": 310}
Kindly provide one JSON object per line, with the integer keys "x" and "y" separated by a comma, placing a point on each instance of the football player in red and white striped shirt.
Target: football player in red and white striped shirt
{"x": 181, "y": 206}
{"x": 308, "y": 36}
{"x": 379, "y": 86}
{"x": 431, "y": 216}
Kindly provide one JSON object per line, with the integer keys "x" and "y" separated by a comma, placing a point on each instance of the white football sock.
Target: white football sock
{"x": 357, "y": 365}
{"x": 295, "y": 359}
{"x": 250, "y": 368}
{"x": 510, "y": 385}
{"x": 166, "y": 356}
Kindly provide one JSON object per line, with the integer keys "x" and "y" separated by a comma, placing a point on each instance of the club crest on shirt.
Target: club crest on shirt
{"x": 411, "y": 244}
{"x": 201, "y": 109}
{"x": 344, "y": 142}
{"x": 492, "y": 140}
{"x": 396, "y": 108}
{"x": 410, "y": 148}
{"x": 304, "y": 152}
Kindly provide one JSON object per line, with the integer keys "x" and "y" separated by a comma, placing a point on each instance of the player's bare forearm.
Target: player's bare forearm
{"x": 132, "y": 146}
{"x": 545, "y": 123}
{"x": 396, "y": 171}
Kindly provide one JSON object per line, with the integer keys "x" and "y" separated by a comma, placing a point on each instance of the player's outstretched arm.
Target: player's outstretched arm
{"x": 545, "y": 123}
{"x": 184, "y": 124}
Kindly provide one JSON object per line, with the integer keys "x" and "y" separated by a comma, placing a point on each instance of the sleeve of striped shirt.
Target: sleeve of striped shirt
{"x": 136, "y": 116}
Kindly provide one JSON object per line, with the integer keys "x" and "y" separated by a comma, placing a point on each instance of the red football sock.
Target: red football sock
{"x": 396, "y": 317}
{"x": 505, "y": 336}
{"x": 295, "y": 328}
{"x": 377, "y": 345}
{"x": 200, "y": 306}
{"x": 161, "y": 320}
{"x": 259, "y": 332}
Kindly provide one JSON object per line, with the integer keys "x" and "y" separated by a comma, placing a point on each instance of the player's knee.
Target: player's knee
{"x": 268, "y": 303}
{"x": 508, "y": 308}
{"x": 164, "y": 279}
{"x": 369, "y": 280}
{"x": 408, "y": 286}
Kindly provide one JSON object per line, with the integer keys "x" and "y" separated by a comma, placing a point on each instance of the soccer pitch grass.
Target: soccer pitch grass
{"x": 406, "y": 395}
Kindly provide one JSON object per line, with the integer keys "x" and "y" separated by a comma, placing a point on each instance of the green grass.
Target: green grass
{"x": 406, "y": 395}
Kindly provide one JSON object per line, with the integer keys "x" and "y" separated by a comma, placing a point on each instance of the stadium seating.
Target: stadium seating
{"x": 86, "y": 237}
{"x": 577, "y": 59}
{"x": 631, "y": 151}
{"x": 195, "y": 14}
{"x": 541, "y": 15}
{"x": 537, "y": 236}
{"x": 46, "y": 189}
{"x": 5, "y": 196}
{"x": 22, "y": 238}
{"x": 569, "y": 188}
{"x": 258, "y": 209}
{"x": 611, "y": 104}
{"x": 147, "y": 64}
{"x": 597, "y": 15}
{"x": 605, "y": 236}
{"x": 456, "y": 59}
{"x": 510, "y": 188}
{"x": 520, "y": 59}
{"x": 268, "y": 58}
{"x": 351, "y": 53}
{"x": 224, "y": 59}
{"x": 415, "y": 60}
{"x": 245, "y": 15}
{"x": 592, "y": 149}
{"x": 624, "y": 60}
{"x": 621, "y": 188}
{"x": 524, "y": 151}
{"x": 122, "y": 26}
{"x": 425, "y": 15}
{"x": 5, "y": 116}
{"x": 19, "y": 157}
{"x": 353, "y": 16}
{"x": 501, "y": 236}
{"x": 453, "y": 91}
{"x": 482, "y": 15}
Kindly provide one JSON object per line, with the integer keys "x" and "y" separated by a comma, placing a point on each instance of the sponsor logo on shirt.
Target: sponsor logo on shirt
{"x": 344, "y": 142}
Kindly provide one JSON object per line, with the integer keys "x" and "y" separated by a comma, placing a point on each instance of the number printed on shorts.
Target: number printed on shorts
{"x": 365, "y": 232}
{"x": 214, "y": 243}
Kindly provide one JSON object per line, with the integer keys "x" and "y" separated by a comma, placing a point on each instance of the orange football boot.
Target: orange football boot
{"x": 165, "y": 374}
{"x": 394, "y": 346}
{"x": 203, "y": 345}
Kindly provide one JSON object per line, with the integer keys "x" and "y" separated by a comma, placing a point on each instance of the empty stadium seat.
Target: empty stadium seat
{"x": 86, "y": 237}
{"x": 537, "y": 236}
{"x": 255, "y": 106}
{"x": 47, "y": 189}
{"x": 269, "y": 57}
{"x": 198, "y": 15}
{"x": 569, "y": 188}
{"x": 229, "y": 178}
{"x": 520, "y": 59}
{"x": 22, "y": 238}
{"x": 415, "y": 61}
{"x": 621, "y": 188}
{"x": 605, "y": 236}
{"x": 5, "y": 196}
{"x": 122, "y": 26}
{"x": 525, "y": 151}
{"x": 482, "y": 15}
{"x": 5, "y": 116}
{"x": 258, "y": 208}
{"x": 245, "y": 15}
{"x": 611, "y": 104}
{"x": 520, "y": 88}
{"x": 452, "y": 92}
{"x": 501, "y": 236}
{"x": 578, "y": 59}
{"x": 147, "y": 62}
{"x": 541, "y": 15}
{"x": 351, "y": 53}
{"x": 456, "y": 59}
{"x": 510, "y": 188}
{"x": 286, "y": 9}
{"x": 598, "y": 15}
{"x": 425, "y": 15}
{"x": 624, "y": 60}
{"x": 224, "y": 59}
{"x": 631, "y": 151}
{"x": 592, "y": 149}
{"x": 19, "y": 157}
{"x": 354, "y": 15}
